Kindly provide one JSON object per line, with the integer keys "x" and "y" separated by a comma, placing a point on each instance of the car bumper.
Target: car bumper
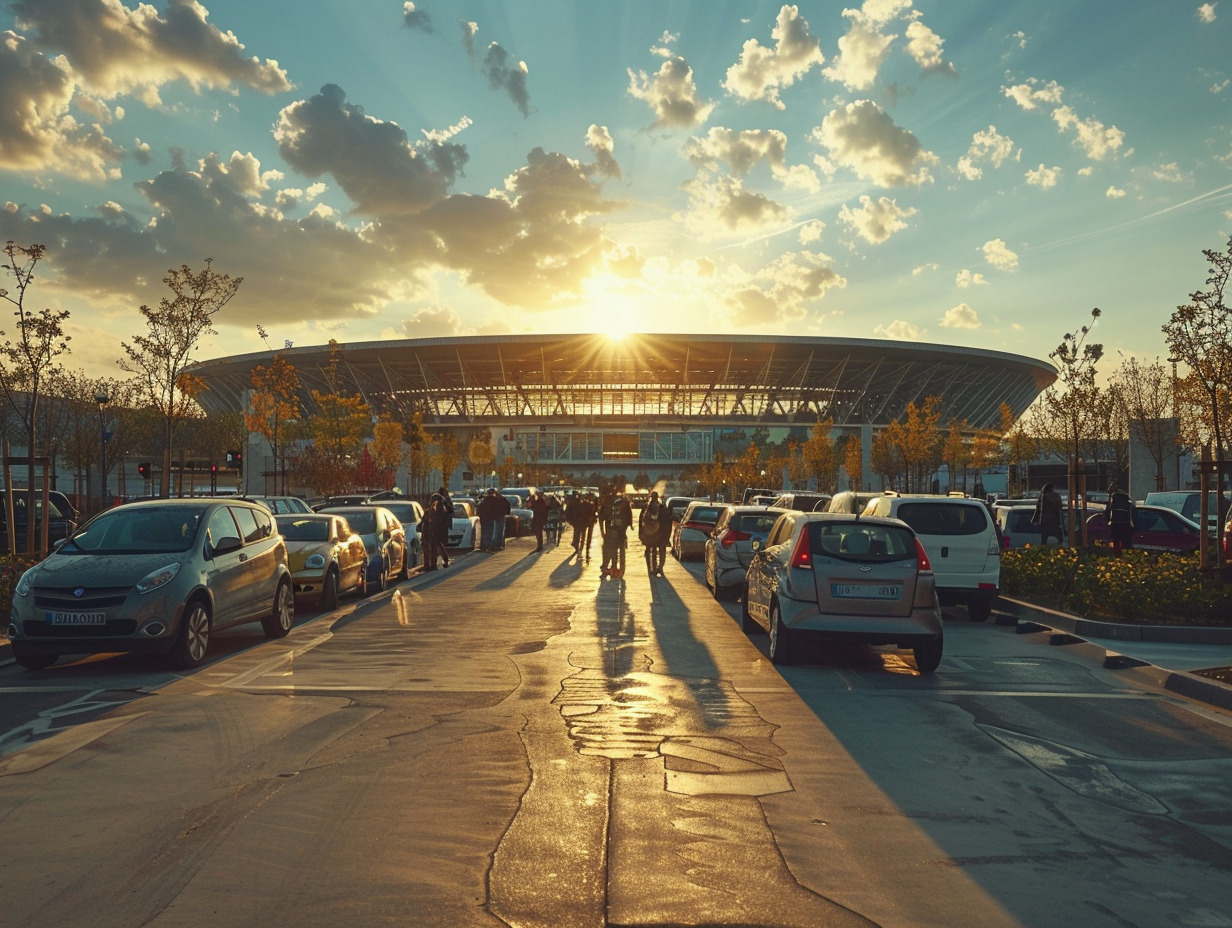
{"x": 804, "y": 616}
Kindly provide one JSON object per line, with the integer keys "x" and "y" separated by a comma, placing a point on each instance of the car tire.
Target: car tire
{"x": 782, "y": 648}
{"x": 748, "y": 624}
{"x": 978, "y": 610}
{"x": 928, "y": 654}
{"x": 32, "y": 661}
{"x": 329, "y": 591}
{"x": 192, "y": 642}
{"x": 282, "y": 614}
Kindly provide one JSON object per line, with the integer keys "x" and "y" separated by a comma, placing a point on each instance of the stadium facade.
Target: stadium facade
{"x": 653, "y": 404}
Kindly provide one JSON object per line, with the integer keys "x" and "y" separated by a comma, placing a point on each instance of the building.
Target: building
{"x": 653, "y": 404}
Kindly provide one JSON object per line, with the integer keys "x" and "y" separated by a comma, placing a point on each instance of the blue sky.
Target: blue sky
{"x": 977, "y": 174}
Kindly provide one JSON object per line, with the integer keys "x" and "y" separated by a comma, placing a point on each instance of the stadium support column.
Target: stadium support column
{"x": 866, "y": 455}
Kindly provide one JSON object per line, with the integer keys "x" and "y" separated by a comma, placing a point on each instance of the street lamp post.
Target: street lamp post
{"x": 102, "y": 399}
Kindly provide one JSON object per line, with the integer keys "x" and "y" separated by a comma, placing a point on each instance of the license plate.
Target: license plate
{"x": 863, "y": 591}
{"x": 76, "y": 618}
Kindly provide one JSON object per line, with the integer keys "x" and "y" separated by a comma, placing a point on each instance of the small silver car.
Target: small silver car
{"x": 690, "y": 533}
{"x": 729, "y": 549}
{"x": 154, "y": 577}
{"x": 842, "y": 577}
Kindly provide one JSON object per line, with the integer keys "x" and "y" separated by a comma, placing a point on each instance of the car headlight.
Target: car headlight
{"x": 24, "y": 584}
{"x": 158, "y": 578}
{"x": 315, "y": 562}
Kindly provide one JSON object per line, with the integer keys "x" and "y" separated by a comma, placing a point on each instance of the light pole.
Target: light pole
{"x": 102, "y": 399}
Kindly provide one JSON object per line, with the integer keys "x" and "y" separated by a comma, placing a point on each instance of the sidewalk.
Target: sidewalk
{"x": 1175, "y": 650}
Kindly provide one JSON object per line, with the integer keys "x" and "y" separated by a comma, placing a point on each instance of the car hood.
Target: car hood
{"x": 101, "y": 570}
{"x": 299, "y": 551}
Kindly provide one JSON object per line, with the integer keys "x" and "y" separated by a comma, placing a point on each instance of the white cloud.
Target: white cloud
{"x": 1114, "y": 193}
{"x": 432, "y": 322}
{"x": 783, "y": 290}
{"x": 723, "y": 199}
{"x": 1170, "y": 173}
{"x": 965, "y": 278}
{"x": 999, "y": 255}
{"x": 415, "y": 18}
{"x": 1206, "y": 13}
{"x": 760, "y": 73}
{"x": 1044, "y": 177}
{"x": 862, "y": 136}
{"x": 671, "y": 94}
{"x": 986, "y": 145}
{"x": 1092, "y": 136}
{"x": 811, "y": 232}
{"x": 961, "y": 316}
{"x": 739, "y": 151}
{"x": 925, "y": 46}
{"x": 1031, "y": 94}
{"x": 925, "y": 268}
{"x": 876, "y": 221}
{"x": 862, "y": 51}
{"x": 899, "y": 331}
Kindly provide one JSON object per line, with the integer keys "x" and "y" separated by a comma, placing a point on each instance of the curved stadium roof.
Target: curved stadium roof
{"x": 593, "y": 380}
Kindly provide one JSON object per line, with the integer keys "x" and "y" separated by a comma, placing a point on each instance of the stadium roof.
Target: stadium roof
{"x": 593, "y": 380}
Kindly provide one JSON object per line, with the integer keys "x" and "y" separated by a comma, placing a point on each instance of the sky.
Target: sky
{"x": 980, "y": 174}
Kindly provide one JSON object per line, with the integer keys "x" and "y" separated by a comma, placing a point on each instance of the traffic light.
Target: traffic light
{"x": 234, "y": 460}
{"x": 144, "y": 469}
{"x": 213, "y": 468}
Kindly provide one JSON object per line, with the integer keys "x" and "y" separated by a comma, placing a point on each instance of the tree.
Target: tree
{"x": 336, "y": 432}
{"x": 387, "y": 450}
{"x": 27, "y": 359}
{"x": 1199, "y": 335}
{"x": 1074, "y": 410}
{"x": 162, "y": 357}
{"x": 480, "y": 454}
{"x": 853, "y": 461}
{"x": 275, "y": 400}
{"x": 820, "y": 456}
{"x": 448, "y": 455}
{"x": 956, "y": 452}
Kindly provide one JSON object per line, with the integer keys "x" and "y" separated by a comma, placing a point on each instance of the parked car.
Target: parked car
{"x": 464, "y": 533}
{"x": 961, "y": 541}
{"x": 280, "y": 505}
{"x": 802, "y": 502}
{"x": 157, "y": 577}
{"x": 1189, "y": 504}
{"x": 384, "y": 539}
{"x": 410, "y": 513}
{"x": 729, "y": 549}
{"x": 1156, "y": 528}
{"x": 750, "y": 492}
{"x": 840, "y": 577}
{"x": 326, "y": 558}
{"x": 850, "y": 501}
{"x": 517, "y": 523}
{"x": 62, "y": 517}
{"x": 1015, "y": 526}
{"x": 689, "y": 535}
{"x": 676, "y": 505}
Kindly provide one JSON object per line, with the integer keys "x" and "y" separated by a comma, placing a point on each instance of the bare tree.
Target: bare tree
{"x": 30, "y": 356}
{"x": 1144, "y": 394}
{"x": 162, "y": 357}
{"x": 1076, "y": 408}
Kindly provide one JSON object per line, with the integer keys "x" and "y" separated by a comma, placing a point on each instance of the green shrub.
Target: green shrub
{"x": 1139, "y": 586}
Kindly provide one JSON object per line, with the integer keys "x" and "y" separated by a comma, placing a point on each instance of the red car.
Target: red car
{"x": 1155, "y": 529}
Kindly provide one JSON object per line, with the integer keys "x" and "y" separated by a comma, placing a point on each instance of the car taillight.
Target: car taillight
{"x": 925, "y": 565}
{"x": 733, "y": 535}
{"x": 699, "y": 526}
{"x": 994, "y": 549}
{"x": 802, "y": 554}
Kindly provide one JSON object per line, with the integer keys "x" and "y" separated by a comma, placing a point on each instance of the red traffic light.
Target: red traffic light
{"x": 144, "y": 469}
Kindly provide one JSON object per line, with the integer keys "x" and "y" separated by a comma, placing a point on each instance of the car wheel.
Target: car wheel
{"x": 928, "y": 654}
{"x": 193, "y": 641}
{"x": 782, "y": 648}
{"x": 32, "y": 661}
{"x": 978, "y": 610}
{"x": 282, "y": 615}
{"x": 329, "y": 591}
{"x": 747, "y": 623}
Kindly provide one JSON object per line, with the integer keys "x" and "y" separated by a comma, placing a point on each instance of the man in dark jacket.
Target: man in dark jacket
{"x": 653, "y": 526}
{"x": 504, "y": 507}
{"x": 538, "y": 517}
{"x": 1047, "y": 515}
{"x": 488, "y": 510}
{"x": 1119, "y": 514}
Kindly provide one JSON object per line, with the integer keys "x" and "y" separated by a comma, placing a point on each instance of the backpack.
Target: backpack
{"x": 650, "y": 518}
{"x": 617, "y": 518}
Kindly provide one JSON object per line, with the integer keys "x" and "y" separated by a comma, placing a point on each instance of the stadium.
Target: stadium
{"x": 653, "y": 404}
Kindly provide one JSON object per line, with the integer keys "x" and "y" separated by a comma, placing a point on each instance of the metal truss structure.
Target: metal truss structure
{"x": 650, "y": 382}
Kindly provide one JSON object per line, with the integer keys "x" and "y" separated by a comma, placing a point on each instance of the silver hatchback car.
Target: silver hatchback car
{"x": 729, "y": 549}
{"x": 841, "y": 577}
{"x": 154, "y": 577}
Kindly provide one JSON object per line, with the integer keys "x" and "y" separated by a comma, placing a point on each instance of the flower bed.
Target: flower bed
{"x": 1139, "y": 586}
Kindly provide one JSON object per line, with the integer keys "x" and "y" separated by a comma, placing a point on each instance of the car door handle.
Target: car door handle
{"x": 243, "y": 557}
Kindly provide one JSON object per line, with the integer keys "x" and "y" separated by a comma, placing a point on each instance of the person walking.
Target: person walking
{"x": 587, "y": 513}
{"x": 616, "y": 537}
{"x": 503, "y": 508}
{"x": 1047, "y": 515}
{"x": 438, "y": 520}
{"x": 488, "y": 511}
{"x": 650, "y": 531}
{"x": 1119, "y": 514}
{"x": 538, "y": 517}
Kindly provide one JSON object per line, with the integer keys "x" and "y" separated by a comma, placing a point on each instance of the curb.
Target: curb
{"x": 1191, "y": 685}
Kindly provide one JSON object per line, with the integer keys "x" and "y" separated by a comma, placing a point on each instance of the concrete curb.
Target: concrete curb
{"x": 1191, "y": 685}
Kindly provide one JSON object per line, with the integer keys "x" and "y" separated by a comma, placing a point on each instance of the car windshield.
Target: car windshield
{"x": 943, "y": 518}
{"x": 304, "y": 529}
{"x": 144, "y": 530}
{"x": 363, "y": 521}
{"x": 404, "y": 512}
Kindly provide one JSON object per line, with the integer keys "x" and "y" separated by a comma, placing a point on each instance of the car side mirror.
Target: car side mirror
{"x": 226, "y": 545}
{"x": 757, "y": 544}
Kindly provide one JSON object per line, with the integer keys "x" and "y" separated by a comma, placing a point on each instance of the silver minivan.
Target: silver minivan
{"x": 154, "y": 577}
